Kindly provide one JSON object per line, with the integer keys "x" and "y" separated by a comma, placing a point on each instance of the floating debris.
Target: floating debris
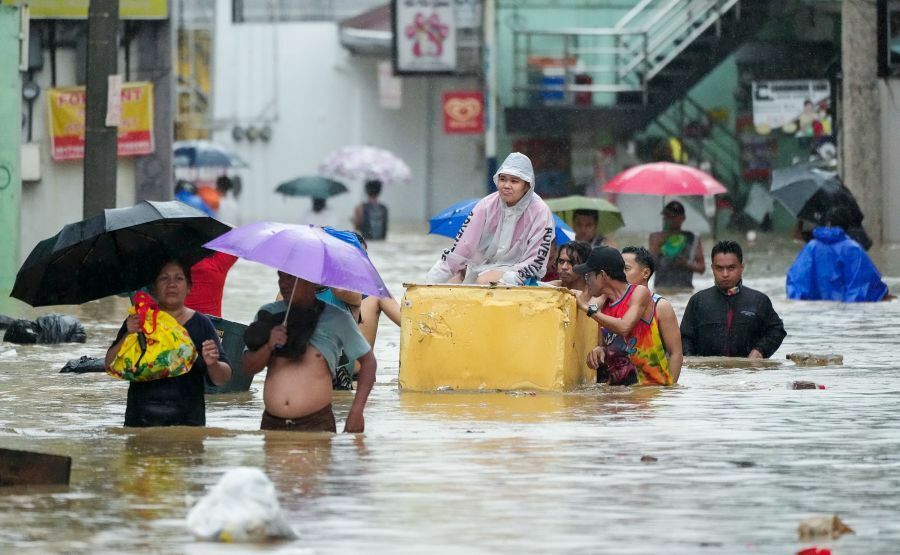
{"x": 805, "y": 385}
{"x": 813, "y": 359}
{"x": 743, "y": 464}
{"x": 823, "y": 526}
{"x": 241, "y": 507}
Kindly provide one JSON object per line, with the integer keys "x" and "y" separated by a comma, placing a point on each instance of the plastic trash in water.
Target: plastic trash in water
{"x": 241, "y": 507}
{"x": 805, "y": 385}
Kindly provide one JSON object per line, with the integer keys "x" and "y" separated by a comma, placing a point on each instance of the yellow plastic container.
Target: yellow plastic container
{"x": 509, "y": 338}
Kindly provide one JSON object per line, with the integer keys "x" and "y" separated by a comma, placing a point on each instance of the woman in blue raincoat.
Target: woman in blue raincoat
{"x": 833, "y": 267}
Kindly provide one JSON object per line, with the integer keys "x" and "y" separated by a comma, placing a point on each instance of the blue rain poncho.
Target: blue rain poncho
{"x": 833, "y": 267}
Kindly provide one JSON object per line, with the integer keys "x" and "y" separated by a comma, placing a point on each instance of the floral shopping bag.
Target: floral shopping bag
{"x": 163, "y": 348}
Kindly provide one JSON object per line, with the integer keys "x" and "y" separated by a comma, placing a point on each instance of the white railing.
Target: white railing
{"x": 566, "y": 66}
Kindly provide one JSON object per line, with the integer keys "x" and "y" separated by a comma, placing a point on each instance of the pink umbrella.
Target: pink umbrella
{"x": 365, "y": 162}
{"x": 664, "y": 179}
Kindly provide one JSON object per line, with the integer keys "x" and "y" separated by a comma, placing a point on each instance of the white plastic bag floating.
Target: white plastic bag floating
{"x": 241, "y": 507}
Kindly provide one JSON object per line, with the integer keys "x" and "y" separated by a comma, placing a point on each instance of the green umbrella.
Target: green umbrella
{"x": 610, "y": 217}
{"x": 311, "y": 186}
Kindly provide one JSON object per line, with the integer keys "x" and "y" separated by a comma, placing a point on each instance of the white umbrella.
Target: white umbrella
{"x": 364, "y": 163}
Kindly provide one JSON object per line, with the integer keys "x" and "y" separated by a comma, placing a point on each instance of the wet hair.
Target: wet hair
{"x": 643, "y": 257}
{"x": 224, "y": 184}
{"x": 183, "y": 185}
{"x": 373, "y": 187}
{"x": 584, "y": 212}
{"x": 362, "y": 240}
{"x": 577, "y": 251}
{"x": 839, "y": 216}
{"x": 728, "y": 247}
{"x": 186, "y": 268}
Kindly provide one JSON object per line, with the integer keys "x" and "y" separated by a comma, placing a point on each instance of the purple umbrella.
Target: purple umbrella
{"x": 305, "y": 251}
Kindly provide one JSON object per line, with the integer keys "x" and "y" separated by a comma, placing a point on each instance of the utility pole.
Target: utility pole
{"x": 100, "y": 141}
{"x": 860, "y": 129}
{"x": 489, "y": 50}
{"x": 156, "y": 45}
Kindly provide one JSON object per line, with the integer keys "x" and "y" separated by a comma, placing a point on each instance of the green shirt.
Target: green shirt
{"x": 335, "y": 332}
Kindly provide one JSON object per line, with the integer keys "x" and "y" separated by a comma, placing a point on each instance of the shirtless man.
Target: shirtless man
{"x": 639, "y": 266}
{"x": 297, "y": 392}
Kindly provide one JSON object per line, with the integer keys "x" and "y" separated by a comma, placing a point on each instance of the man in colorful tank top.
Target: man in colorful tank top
{"x": 632, "y": 350}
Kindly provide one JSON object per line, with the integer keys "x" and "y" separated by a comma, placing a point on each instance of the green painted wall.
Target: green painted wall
{"x": 10, "y": 147}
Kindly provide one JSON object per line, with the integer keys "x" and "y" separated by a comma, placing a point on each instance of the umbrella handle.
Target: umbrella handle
{"x": 142, "y": 341}
{"x": 288, "y": 311}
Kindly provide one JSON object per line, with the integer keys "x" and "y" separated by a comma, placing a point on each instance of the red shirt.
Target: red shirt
{"x": 208, "y": 278}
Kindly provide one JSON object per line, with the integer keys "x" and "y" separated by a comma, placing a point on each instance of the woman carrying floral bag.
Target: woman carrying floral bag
{"x": 168, "y": 353}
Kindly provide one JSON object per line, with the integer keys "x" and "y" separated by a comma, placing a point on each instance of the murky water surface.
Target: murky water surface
{"x": 741, "y": 458}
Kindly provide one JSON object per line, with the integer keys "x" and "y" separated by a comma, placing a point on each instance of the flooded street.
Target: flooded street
{"x": 742, "y": 459}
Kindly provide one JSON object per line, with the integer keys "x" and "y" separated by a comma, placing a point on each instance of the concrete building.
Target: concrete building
{"x": 315, "y": 95}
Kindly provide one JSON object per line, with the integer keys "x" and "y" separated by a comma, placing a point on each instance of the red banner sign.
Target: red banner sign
{"x": 463, "y": 112}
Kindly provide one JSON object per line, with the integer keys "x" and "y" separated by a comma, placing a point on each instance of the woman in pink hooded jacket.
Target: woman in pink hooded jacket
{"x": 507, "y": 236}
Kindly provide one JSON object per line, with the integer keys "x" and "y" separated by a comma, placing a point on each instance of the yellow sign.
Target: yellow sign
{"x": 78, "y": 9}
{"x": 66, "y": 109}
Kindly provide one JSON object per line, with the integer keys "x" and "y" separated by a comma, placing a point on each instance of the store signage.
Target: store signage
{"x": 67, "y": 113}
{"x": 800, "y": 108}
{"x": 463, "y": 112}
{"x": 424, "y": 36}
{"x": 78, "y": 9}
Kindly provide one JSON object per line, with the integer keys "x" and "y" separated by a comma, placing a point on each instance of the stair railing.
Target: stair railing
{"x": 619, "y": 59}
{"x": 674, "y": 26}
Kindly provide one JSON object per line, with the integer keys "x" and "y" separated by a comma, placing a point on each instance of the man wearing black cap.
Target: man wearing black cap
{"x": 679, "y": 254}
{"x": 730, "y": 319}
{"x": 632, "y": 350}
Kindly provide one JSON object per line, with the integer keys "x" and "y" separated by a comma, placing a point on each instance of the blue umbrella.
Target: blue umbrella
{"x": 448, "y": 221}
{"x": 194, "y": 201}
{"x": 345, "y": 236}
{"x": 204, "y": 154}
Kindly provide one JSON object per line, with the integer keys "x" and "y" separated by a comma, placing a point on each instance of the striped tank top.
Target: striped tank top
{"x": 638, "y": 358}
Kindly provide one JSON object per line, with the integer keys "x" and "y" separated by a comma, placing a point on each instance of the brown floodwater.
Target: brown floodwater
{"x": 741, "y": 458}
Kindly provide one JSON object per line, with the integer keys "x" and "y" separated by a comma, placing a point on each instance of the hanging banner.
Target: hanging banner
{"x": 463, "y": 112}
{"x": 390, "y": 88}
{"x": 78, "y": 9}
{"x": 66, "y": 111}
{"x": 424, "y": 36}
{"x": 800, "y": 108}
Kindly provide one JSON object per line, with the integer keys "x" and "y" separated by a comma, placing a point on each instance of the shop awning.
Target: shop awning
{"x": 369, "y": 33}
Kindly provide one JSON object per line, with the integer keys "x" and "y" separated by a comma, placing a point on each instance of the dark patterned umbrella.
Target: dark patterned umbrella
{"x": 806, "y": 192}
{"x": 205, "y": 154}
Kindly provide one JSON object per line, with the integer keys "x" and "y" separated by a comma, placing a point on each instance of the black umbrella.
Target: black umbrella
{"x": 809, "y": 193}
{"x": 806, "y": 191}
{"x": 112, "y": 253}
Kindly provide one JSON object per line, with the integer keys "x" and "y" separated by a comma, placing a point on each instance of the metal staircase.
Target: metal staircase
{"x": 619, "y": 79}
{"x": 703, "y": 139}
